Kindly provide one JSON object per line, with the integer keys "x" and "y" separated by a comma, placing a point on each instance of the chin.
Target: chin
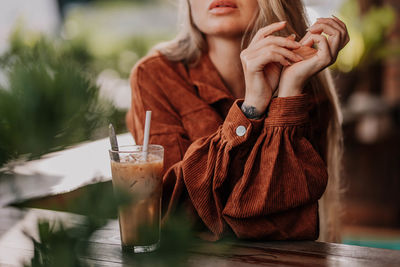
{"x": 227, "y": 28}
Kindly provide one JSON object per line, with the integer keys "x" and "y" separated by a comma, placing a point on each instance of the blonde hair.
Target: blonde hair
{"x": 190, "y": 43}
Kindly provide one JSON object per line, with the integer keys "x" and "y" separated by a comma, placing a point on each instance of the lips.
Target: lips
{"x": 222, "y": 4}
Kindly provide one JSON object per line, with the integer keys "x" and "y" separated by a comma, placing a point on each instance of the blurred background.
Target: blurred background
{"x": 64, "y": 68}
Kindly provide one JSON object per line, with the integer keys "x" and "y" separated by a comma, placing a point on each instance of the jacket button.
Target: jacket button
{"x": 241, "y": 130}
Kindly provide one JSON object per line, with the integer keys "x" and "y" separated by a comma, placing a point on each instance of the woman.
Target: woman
{"x": 251, "y": 129}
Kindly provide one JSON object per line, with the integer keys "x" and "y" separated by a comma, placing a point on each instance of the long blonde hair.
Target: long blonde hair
{"x": 190, "y": 43}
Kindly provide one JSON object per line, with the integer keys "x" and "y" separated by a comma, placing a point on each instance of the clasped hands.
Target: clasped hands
{"x": 273, "y": 63}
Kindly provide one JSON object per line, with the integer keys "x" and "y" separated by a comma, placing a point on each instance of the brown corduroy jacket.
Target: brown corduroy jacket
{"x": 260, "y": 179}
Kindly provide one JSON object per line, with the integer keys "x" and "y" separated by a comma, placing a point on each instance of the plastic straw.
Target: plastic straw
{"x": 113, "y": 142}
{"x": 146, "y": 134}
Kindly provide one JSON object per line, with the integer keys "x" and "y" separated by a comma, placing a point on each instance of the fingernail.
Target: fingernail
{"x": 282, "y": 22}
{"x": 306, "y": 41}
{"x": 292, "y": 37}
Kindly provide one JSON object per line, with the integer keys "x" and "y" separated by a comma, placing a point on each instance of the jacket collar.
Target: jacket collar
{"x": 209, "y": 83}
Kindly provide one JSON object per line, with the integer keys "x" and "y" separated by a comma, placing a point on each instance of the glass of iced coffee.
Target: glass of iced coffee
{"x": 138, "y": 173}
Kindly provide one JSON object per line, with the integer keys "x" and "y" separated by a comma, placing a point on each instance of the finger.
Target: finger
{"x": 333, "y": 23}
{"x": 335, "y": 38}
{"x": 272, "y": 55}
{"x": 268, "y": 30}
{"x": 308, "y": 34}
{"x": 343, "y": 26}
{"x": 344, "y": 36}
{"x": 340, "y": 22}
{"x": 258, "y": 64}
{"x": 288, "y": 54}
{"x": 306, "y": 52}
{"x": 309, "y": 41}
{"x": 277, "y": 58}
{"x": 321, "y": 41}
{"x": 276, "y": 40}
{"x": 324, "y": 53}
{"x": 292, "y": 37}
{"x": 325, "y": 28}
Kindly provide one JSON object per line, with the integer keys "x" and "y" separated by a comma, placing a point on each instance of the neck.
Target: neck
{"x": 225, "y": 55}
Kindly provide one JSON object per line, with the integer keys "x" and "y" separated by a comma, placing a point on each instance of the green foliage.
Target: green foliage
{"x": 112, "y": 48}
{"x": 61, "y": 246}
{"x": 56, "y": 247}
{"x": 48, "y": 101}
{"x": 368, "y": 35}
{"x": 124, "y": 55}
{"x": 67, "y": 247}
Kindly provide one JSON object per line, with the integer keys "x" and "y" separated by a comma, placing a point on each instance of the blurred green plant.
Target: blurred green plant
{"x": 62, "y": 246}
{"x": 121, "y": 56}
{"x": 112, "y": 48}
{"x": 56, "y": 247}
{"x": 368, "y": 32}
{"x": 48, "y": 100}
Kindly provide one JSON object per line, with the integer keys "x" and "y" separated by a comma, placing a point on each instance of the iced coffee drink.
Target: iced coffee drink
{"x": 139, "y": 175}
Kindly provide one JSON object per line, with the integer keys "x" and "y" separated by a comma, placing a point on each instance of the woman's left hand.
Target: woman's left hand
{"x": 294, "y": 77}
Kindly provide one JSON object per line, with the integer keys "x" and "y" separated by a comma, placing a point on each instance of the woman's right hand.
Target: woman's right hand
{"x": 262, "y": 63}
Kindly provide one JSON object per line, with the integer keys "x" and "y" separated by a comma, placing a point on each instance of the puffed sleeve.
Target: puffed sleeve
{"x": 260, "y": 188}
{"x": 260, "y": 179}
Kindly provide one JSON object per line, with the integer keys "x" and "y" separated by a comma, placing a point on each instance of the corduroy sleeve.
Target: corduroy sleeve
{"x": 283, "y": 178}
{"x": 260, "y": 179}
{"x": 267, "y": 189}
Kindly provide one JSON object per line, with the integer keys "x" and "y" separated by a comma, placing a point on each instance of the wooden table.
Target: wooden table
{"x": 16, "y": 248}
{"x": 64, "y": 174}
